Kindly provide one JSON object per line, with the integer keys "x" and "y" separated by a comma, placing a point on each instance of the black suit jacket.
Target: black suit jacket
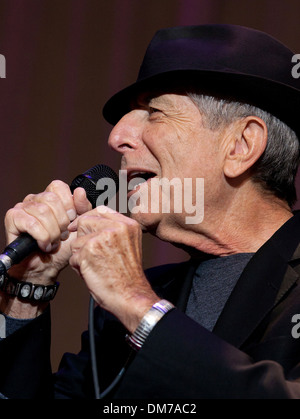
{"x": 251, "y": 352}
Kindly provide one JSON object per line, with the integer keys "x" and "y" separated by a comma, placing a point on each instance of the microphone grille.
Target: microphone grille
{"x": 88, "y": 180}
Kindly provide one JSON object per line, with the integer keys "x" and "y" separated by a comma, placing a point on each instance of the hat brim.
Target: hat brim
{"x": 279, "y": 99}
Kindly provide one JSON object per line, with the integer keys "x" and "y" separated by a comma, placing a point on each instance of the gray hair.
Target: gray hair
{"x": 276, "y": 169}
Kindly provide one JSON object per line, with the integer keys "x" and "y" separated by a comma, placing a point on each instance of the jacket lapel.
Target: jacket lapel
{"x": 291, "y": 276}
{"x": 267, "y": 278}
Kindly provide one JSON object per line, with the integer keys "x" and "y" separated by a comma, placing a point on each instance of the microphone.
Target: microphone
{"x": 24, "y": 244}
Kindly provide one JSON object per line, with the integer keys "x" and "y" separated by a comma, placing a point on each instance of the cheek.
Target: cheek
{"x": 202, "y": 155}
{"x": 183, "y": 152}
{"x": 161, "y": 146}
{"x": 169, "y": 147}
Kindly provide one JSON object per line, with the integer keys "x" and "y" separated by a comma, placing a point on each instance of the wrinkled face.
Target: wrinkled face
{"x": 164, "y": 137}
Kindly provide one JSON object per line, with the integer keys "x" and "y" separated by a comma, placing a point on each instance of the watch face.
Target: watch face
{"x": 25, "y": 290}
{"x": 38, "y": 293}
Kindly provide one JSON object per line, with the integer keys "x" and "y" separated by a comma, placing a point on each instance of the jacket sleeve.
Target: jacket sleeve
{"x": 74, "y": 378}
{"x": 25, "y": 361}
{"x": 181, "y": 359}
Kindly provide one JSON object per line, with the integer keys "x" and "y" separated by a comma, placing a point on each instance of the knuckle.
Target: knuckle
{"x": 57, "y": 185}
{"x": 51, "y": 197}
{"x": 9, "y": 216}
{"x": 14, "y": 213}
{"x": 93, "y": 245}
{"x": 42, "y": 209}
{"x": 10, "y": 212}
{"x": 121, "y": 227}
{"x": 82, "y": 221}
{"x": 84, "y": 218}
{"x": 29, "y": 197}
{"x": 19, "y": 205}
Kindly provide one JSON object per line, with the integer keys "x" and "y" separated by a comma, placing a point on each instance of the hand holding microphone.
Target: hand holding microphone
{"x": 107, "y": 254}
{"x": 38, "y": 226}
{"x": 103, "y": 247}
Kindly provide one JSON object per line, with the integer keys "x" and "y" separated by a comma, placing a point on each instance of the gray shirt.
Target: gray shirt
{"x": 212, "y": 285}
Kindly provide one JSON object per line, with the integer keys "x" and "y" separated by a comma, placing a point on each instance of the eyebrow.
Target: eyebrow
{"x": 153, "y": 99}
{"x": 160, "y": 101}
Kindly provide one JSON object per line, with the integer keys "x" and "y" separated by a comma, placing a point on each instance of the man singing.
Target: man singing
{"x": 211, "y": 102}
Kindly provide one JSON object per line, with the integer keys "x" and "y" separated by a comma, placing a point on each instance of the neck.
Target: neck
{"x": 235, "y": 229}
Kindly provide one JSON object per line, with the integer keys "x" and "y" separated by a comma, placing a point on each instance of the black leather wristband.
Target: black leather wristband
{"x": 26, "y": 290}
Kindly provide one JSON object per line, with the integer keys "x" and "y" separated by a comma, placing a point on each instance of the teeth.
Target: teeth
{"x": 137, "y": 173}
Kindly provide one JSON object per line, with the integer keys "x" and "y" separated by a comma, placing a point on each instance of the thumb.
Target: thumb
{"x": 82, "y": 204}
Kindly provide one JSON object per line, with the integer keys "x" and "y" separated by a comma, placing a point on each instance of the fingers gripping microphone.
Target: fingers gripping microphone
{"x": 24, "y": 245}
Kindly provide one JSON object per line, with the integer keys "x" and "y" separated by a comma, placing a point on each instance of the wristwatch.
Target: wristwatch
{"x": 151, "y": 318}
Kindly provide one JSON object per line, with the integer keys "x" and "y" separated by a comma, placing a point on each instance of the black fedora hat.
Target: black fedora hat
{"x": 228, "y": 61}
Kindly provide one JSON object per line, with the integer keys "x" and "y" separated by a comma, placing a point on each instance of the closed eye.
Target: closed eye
{"x": 153, "y": 110}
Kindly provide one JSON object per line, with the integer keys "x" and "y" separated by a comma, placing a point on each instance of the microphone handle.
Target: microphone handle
{"x": 16, "y": 251}
{"x": 21, "y": 247}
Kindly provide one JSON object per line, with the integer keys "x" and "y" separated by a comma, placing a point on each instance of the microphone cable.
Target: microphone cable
{"x": 98, "y": 394}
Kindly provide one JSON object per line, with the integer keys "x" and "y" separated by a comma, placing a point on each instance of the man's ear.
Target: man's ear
{"x": 245, "y": 143}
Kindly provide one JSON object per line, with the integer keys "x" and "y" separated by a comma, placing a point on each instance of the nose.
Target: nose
{"x": 127, "y": 133}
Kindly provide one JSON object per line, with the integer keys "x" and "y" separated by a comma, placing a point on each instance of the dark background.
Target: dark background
{"x": 64, "y": 59}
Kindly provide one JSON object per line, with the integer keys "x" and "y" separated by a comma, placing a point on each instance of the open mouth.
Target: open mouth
{"x": 137, "y": 178}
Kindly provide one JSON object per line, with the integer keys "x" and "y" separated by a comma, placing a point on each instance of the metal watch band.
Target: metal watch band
{"x": 27, "y": 290}
{"x": 151, "y": 318}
